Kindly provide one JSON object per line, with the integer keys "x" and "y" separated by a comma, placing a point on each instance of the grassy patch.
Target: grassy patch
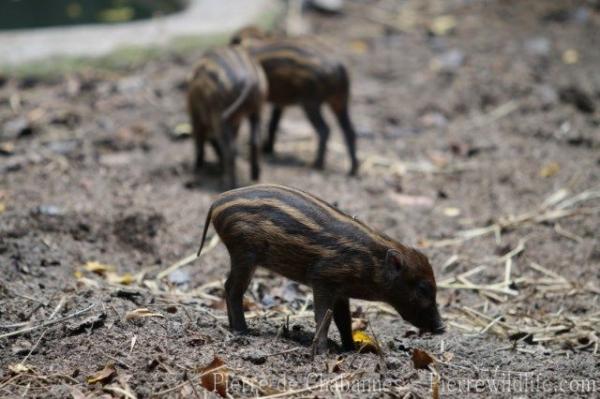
{"x": 127, "y": 57}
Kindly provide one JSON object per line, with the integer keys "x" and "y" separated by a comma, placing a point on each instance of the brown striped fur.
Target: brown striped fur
{"x": 226, "y": 86}
{"x": 303, "y": 71}
{"x": 310, "y": 241}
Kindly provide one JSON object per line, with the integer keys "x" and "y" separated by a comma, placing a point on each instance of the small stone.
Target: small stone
{"x": 63, "y": 147}
{"x": 581, "y": 15}
{"x": 449, "y": 61}
{"x": 16, "y": 128}
{"x": 547, "y": 95}
{"x": 179, "y": 277}
{"x": 130, "y": 84}
{"x": 434, "y": 119}
{"x": 49, "y": 210}
{"x": 539, "y": 46}
{"x": 21, "y": 347}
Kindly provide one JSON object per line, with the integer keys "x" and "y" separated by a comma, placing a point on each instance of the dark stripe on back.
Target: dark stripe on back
{"x": 316, "y": 210}
{"x": 291, "y": 226}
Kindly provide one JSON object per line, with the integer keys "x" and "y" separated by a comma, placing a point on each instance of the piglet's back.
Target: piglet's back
{"x": 291, "y": 231}
{"x": 221, "y": 76}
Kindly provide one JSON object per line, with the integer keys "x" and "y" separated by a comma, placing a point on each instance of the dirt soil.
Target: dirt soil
{"x": 471, "y": 114}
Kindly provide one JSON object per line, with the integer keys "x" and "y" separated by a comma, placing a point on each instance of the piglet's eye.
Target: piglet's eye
{"x": 425, "y": 289}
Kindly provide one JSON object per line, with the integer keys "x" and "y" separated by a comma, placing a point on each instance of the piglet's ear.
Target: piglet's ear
{"x": 394, "y": 262}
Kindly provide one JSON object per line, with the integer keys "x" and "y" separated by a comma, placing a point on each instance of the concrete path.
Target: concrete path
{"x": 202, "y": 17}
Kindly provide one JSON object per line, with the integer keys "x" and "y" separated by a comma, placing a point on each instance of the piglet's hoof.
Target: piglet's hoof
{"x": 318, "y": 165}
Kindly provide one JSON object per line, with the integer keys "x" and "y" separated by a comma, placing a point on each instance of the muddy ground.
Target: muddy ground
{"x": 470, "y": 113}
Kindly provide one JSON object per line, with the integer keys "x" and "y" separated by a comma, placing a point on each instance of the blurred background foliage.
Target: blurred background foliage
{"x": 23, "y": 14}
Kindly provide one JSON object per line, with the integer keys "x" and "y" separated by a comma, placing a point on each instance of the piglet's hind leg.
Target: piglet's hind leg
{"x": 242, "y": 269}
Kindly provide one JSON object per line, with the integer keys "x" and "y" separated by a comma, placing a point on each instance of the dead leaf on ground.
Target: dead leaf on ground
{"x": 550, "y": 169}
{"x": 182, "y": 130}
{"x": 2, "y": 207}
{"x": 98, "y": 268}
{"x": 103, "y": 376}
{"x": 442, "y": 25}
{"x": 7, "y": 149}
{"x": 214, "y": 377}
{"x": 359, "y": 46}
{"x": 365, "y": 343}
{"x": 141, "y": 313}
{"x": 570, "y": 56}
{"x": 124, "y": 279}
{"x": 422, "y": 359}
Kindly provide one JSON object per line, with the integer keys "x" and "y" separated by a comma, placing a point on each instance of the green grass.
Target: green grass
{"x": 127, "y": 57}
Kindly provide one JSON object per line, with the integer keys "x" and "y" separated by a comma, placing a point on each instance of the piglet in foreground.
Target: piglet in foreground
{"x": 305, "y": 239}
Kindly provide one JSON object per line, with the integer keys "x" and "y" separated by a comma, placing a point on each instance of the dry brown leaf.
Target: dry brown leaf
{"x": 550, "y": 169}
{"x": 98, "y": 268}
{"x": 182, "y": 129}
{"x": 124, "y": 279}
{"x": 214, "y": 377}
{"x": 442, "y": 25}
{"x": 421, "y": 359}
{"x": 141, "y": 313}
{"x": 359, "y": 46}
{"x": 365, "y": 343}
{"x": 7, "y": 148}
{"x": 2, "y": 207}
{"x": 570, "y": 56}
{"x": 103, "y": 376}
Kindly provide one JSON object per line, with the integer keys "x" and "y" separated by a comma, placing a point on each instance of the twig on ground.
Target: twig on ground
{"x": 555, "y": 207}
{"x": 324, "y": 322}
{"x": 188, "y": 259}
{"x": 47, "y": 323}
{"x": 54, "y": 313}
